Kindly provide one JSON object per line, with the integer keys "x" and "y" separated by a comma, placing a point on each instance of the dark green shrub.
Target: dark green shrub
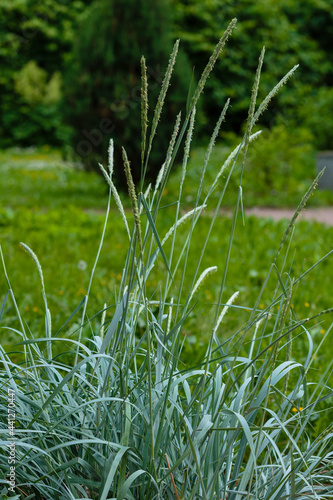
{"x": 103, "y": 83}
{"x": 280, "y": 165}
{"x": 36, "y": 38}
{"x": 291, "y": 33}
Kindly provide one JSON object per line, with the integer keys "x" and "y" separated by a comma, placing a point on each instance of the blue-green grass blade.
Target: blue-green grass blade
{"x": 3, "y": 304}
{"x": 72, "y": 315}
{"x": 157, "y": 239}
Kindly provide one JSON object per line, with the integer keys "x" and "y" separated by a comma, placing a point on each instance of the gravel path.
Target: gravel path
{"x": 324, "y": 215}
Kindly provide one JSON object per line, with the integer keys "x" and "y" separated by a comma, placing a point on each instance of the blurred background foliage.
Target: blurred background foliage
{"x": 36, "y": 42}
{"x": 292, "y": 33}
{"x": 68, "y": 65}
{"x": 102, "y": 86}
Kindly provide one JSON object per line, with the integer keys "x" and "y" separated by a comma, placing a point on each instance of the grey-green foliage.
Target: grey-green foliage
{"x": 128, "y": 420}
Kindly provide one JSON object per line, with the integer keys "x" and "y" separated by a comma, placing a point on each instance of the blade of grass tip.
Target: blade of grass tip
{"x": 211, "y": 146}
{"x": 299, "y": 210}
{"x": 4, "y": 268}
{"x": 190, "y": 94}
{"x": 110, "y": 157}
{"x": 160, "y": 103}
{"x": 47, "y": 311}
{"x": 114, "y": 324}
{"x": 133, "y": 197}
{"x": 116, "y": 198}
{"x": 91, "y": 278}
{"x": 124, "y": 492}
{"x": 253, "y": 101}
{"x": 163, "y": 173}
{"x": 171, "y": 147}
{"x": 291, "y": 224}
{"x": 248, "y": 130}
{"x": 101, "y": 331}
{"x": 71, "y": 316}
{"x": 263, "y": 106}
{"x": 203, "y": 276}
{"x": 4, "y": 304}
{"x": 284, "y": 291}
{"x": 211, "y": 63}
{"x": 10, "y": 290}
{"x": 318, "y": 349}
{"x": 241, "y": 204}
{"x": 144, "y": 112}
{"x": 256, "y": 328}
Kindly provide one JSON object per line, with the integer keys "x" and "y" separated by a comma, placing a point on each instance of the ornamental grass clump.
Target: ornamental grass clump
{"x": 126, "y": 418}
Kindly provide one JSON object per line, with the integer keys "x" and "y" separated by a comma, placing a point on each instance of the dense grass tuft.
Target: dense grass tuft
{"x": 116, "y": 414}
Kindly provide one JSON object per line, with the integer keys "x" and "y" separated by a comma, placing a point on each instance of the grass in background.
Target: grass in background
{"x": 65, "y": 242}
{"x": 279, "y": 168}
{"x": 58, "y": 211}
{"x": 38, "y": 179}
{"x": 126, "y": 418}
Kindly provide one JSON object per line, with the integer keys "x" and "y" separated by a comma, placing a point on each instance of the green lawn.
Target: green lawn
{"x": 269, "y": 180}
{"x": 38, "y": 179}
{"x": 58, "y": 212}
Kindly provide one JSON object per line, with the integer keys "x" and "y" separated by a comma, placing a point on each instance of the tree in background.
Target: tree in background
{"x": 316, "y": 111}
{"x": 103, "y": 77}
{"x": 292, "y": 33}
{"x": 36, "y": 38}
{"x": 103, "y": 83}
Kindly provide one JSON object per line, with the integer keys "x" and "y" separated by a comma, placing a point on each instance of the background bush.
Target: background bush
{"x": 38, "y": 39}
{"x": 291, "y": 33}
{"x": 102, "y": 86}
